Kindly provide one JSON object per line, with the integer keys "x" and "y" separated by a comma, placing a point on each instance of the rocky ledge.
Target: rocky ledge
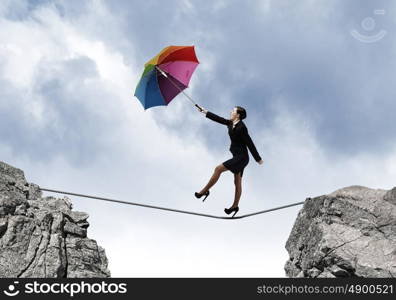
{"x": 43, "y": 236}
{"x": 348, "y": 233}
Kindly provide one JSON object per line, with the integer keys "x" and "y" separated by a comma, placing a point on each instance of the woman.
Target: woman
{"x": 240, "y": 139}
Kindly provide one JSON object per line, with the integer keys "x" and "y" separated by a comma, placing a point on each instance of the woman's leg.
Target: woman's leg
{"x": 238, "y": 189}
{"x": 216, "y": 174}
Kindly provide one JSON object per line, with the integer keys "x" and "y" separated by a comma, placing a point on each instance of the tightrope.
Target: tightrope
{"x": 171, "y": 209}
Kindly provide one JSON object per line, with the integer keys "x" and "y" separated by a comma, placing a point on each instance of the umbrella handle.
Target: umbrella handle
{"x": 199, "y": 107}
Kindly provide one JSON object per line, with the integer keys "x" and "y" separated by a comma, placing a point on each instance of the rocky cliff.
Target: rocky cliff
{"x": 348, "y": 233}
{"x": 43, "y": 236}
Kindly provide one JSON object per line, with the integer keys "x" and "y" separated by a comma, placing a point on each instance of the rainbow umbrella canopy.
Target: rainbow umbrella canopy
{"x": 166, "y": 75}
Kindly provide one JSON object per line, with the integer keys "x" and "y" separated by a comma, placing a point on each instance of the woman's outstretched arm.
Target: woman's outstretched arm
{"x": 217, "y": 118}
{"x": 249, "y": 143}
{"x": 214, "y": 117}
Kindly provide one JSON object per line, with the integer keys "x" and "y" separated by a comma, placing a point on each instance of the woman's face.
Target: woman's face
{"x": 234, "y": 115}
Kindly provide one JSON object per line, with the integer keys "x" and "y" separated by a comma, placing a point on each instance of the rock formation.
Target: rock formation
{"x": 43, "y": 236}
{"x": 348, "y": 233}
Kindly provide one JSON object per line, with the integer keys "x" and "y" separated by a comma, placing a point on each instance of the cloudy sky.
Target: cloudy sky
{"x": 317, "y": 80}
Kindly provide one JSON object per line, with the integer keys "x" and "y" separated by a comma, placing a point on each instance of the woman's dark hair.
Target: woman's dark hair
{"x": 241, "y": 111}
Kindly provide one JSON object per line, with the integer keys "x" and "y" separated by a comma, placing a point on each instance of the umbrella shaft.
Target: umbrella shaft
{"x": 163, "y": 73}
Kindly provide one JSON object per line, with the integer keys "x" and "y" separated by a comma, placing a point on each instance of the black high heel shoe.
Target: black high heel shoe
{"x": 230, "y": 210}
{"x": 198, "y": 195}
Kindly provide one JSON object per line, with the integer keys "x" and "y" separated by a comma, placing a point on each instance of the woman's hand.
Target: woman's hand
{"x": 202, "y": 110}
{"x": 260, "y": 162}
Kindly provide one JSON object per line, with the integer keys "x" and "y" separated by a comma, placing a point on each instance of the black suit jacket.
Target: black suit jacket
{"x": 239, "y": 136}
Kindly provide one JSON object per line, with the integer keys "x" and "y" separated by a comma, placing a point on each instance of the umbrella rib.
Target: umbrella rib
{"x": 166, "y": 76}
{"x": 170, "y": 209}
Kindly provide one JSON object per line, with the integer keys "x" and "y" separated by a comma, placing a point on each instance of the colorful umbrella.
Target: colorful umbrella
{"x": 166, "y": 75}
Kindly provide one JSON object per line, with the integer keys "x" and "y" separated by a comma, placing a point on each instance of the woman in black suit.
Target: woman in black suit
{"x": 240, "y": 141}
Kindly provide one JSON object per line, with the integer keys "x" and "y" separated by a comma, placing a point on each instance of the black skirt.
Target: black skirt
{"x": 237, "y": 163}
